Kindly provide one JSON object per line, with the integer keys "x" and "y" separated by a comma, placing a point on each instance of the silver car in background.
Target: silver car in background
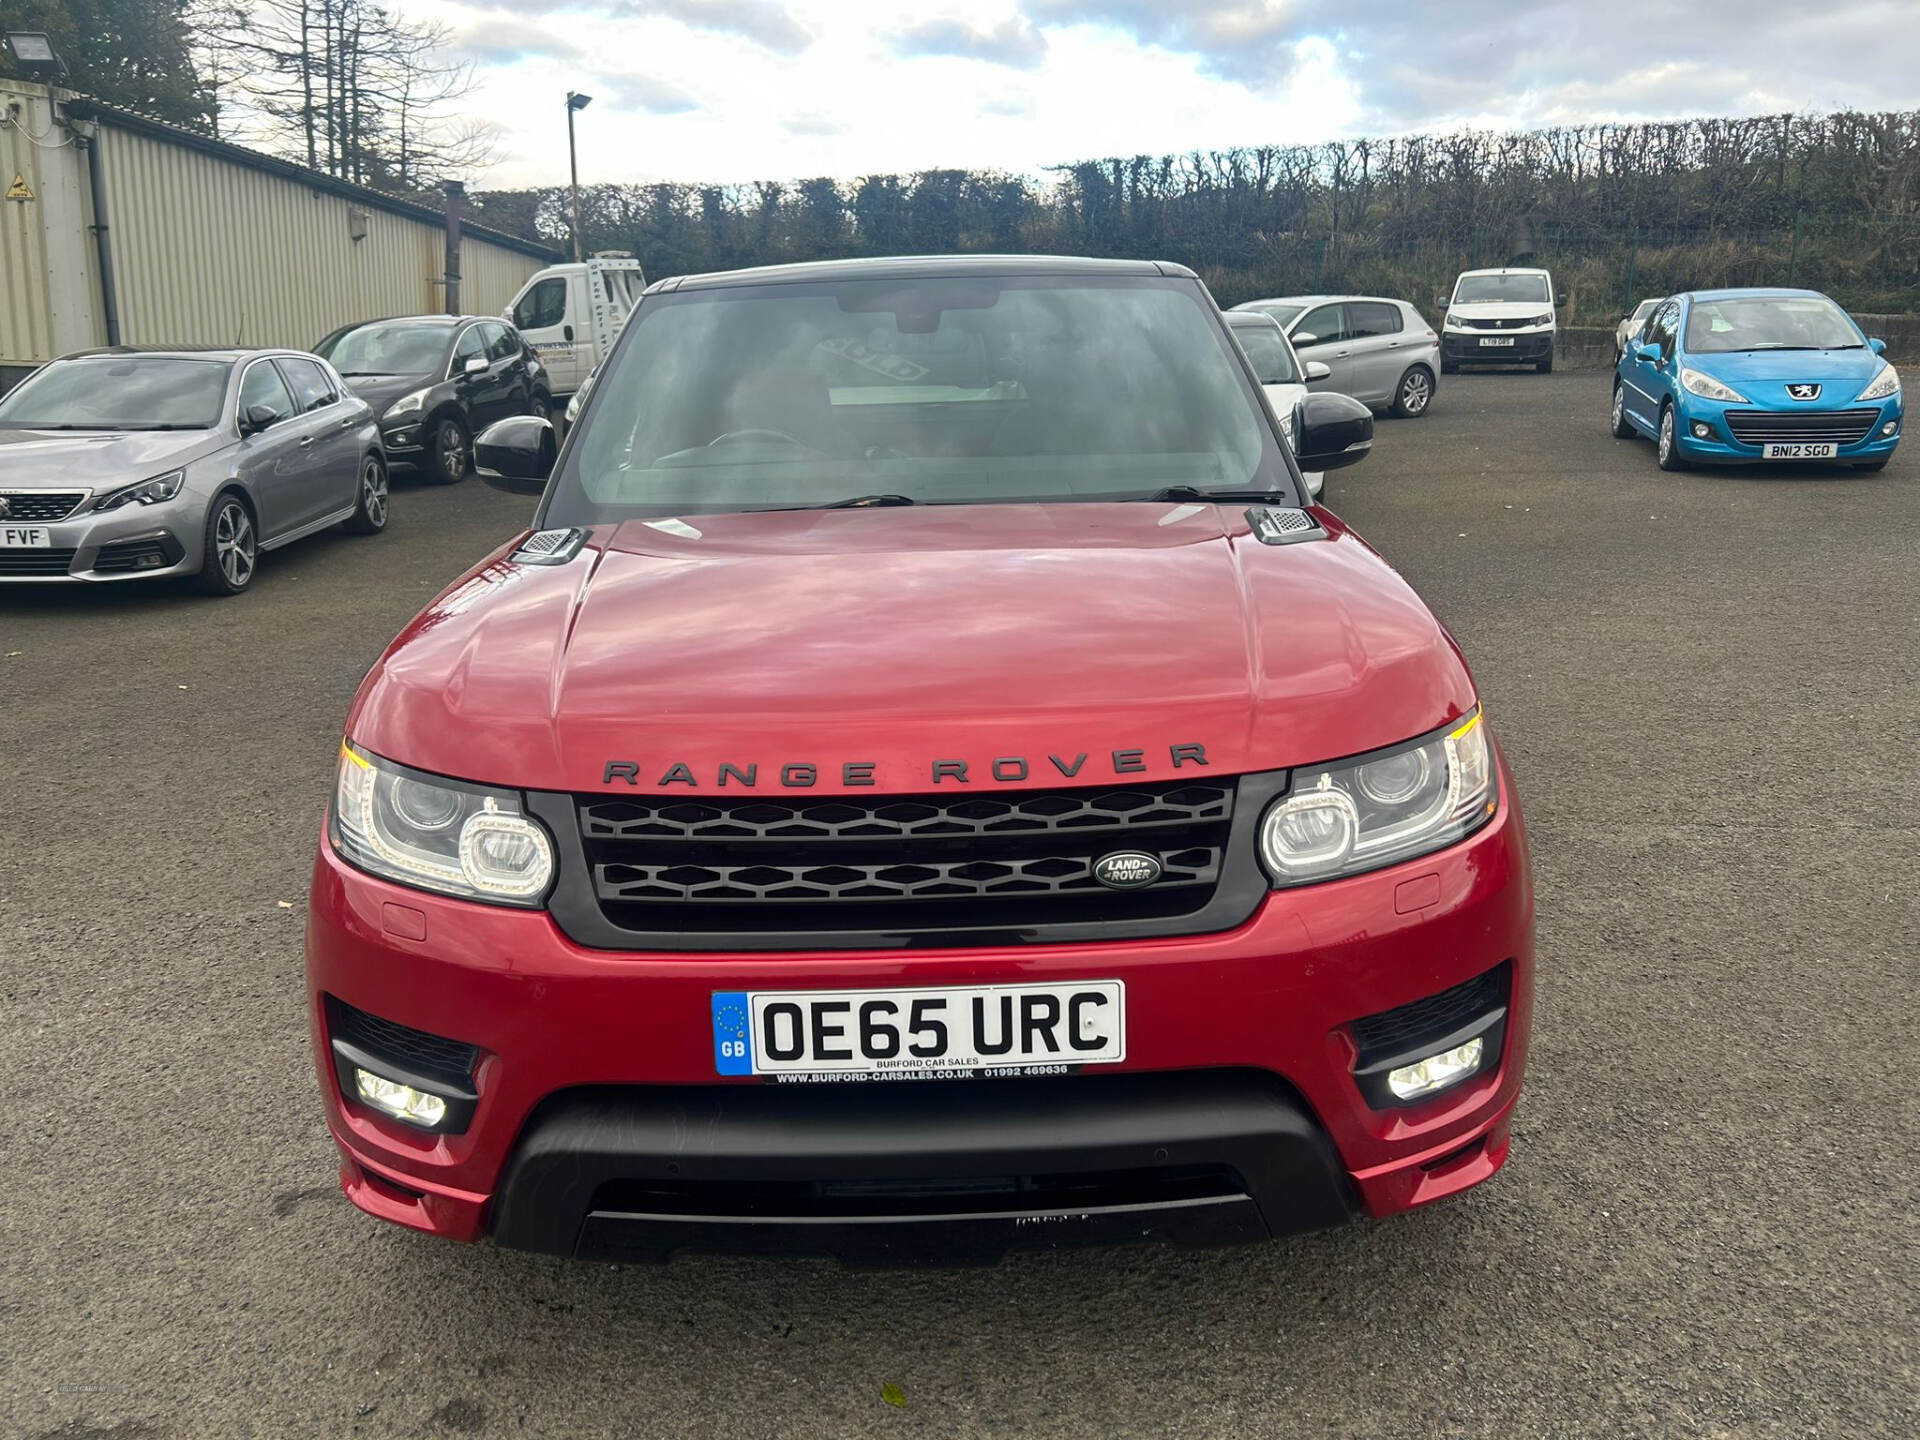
{"x": 128, "y": 464}
{"x": 1380, "y": 351}
{"x": 1630, "y": 325}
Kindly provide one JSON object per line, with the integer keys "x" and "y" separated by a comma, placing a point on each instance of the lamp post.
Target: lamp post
{"x": 575, "y": 103}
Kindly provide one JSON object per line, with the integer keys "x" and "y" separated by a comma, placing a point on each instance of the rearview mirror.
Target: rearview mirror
{"x": 516, "y": 454}
{"x": 1316, "y": 370}
{"x": 1334, "y": 431}
{"x": 258, "y": 418}
{"x": 1879, "y": 347}
{"x": 477, "y": 365}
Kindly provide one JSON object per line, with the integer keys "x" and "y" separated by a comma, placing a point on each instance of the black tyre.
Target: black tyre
{"x": 451, "y": 449}
{"x": 231, "y": 549}
{"x": 1622, "y": 427}
{"x": 541, "y": 405}
{"x": 1414, "y": 393}
{"x": 370, "y": 514}
{"x": 1669, "y": 442}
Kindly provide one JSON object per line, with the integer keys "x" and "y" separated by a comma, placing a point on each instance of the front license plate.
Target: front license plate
{"x": 25, "y": 537}
{"x": 1496, "y": 340}
{"x": 1787, "y": 450}
{"x": 862, "y": 1035}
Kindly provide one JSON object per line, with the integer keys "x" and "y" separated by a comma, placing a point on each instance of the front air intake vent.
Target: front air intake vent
{"x": 1279, "y": 525}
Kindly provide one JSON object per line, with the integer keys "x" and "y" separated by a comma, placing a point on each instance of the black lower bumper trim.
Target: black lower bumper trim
{"x": 918, "y": 1172}
{"x": 1525, "y": 350}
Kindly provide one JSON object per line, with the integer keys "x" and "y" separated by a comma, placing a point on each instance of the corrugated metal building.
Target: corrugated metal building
{"x": 209, "y": 243}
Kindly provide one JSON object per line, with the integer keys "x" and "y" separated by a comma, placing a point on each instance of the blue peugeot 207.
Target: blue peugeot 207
{"x": 1737, "y": 376}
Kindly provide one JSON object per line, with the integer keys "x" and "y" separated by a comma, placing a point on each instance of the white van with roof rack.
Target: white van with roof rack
{"x": 1503, "y": 316}
{"x": 572, "y": 313}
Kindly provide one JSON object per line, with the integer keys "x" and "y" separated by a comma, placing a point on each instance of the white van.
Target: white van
{"x": 1499, "y": 317}
{"x": 571, "y": 314}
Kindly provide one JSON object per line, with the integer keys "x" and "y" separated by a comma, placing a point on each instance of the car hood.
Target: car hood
{"x": 1031, "y": 642}
{"x": 380, "y": 391}
{"x": 96, "y": 459}
{"x": 1500, "y": 309}
{"x": 1763, "y": 375}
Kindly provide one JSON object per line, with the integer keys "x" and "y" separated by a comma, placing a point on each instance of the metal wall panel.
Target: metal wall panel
{"x": 208, "y": 252}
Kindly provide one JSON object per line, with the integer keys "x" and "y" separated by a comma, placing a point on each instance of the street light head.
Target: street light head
{"x": 578, "y": 102}
{"x": 33, "y": 55}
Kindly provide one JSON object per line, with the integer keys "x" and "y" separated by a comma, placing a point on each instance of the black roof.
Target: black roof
{"x": 918, "y": 267}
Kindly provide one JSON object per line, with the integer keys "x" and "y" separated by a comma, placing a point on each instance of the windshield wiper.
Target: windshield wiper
{"x": 365, "y": 374}
{"x": 863, "y": 502}
{"x": 1191, "y": 492}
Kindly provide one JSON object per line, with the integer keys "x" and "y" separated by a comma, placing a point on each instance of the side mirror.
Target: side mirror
{"x": 1316, "y": 370}
{"x": 1442, "y": 298}
{"x": 516, "y": 454}
{"x": 1305, "y": 337}
{"x": 1560, "y": 300}
{"x": 1334, "y": 431}
{"x": 258, "y": 418}
{"x": 475, "y": 366}
{"x": 1879, "y": 347}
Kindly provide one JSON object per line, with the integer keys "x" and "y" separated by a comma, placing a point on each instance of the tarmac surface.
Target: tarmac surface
{"x": 1709, "y": 688}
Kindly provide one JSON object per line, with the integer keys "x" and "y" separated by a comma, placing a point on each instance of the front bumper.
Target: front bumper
{"x": 1719, "y": 447}
{"x": 136, "y": 542}
{"x": 600, "y": 1126}
{"x": 1464, "y": 347}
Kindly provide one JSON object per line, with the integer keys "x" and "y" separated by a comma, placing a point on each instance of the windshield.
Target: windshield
{"x": 1267, "y": 348}
{"x": 388, "y": 347}
{"x": 1284, "y": 313}
{"x": 1478, "y": 289}
{"x": 1769, "y": 322}
{"x": 935, "y": 390}
{"x": 122, "y": 392}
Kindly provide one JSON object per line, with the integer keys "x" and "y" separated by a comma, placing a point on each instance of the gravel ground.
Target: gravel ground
{"x": 1708, "y": 686}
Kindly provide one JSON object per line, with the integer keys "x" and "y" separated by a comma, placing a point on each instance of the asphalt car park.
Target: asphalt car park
{"x": 1706, "y": 684}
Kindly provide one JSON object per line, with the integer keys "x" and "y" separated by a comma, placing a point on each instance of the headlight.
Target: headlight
{"x": 1885, "y": 385}
{"x": 1343, "y": 819}
{"x": 438, "y": 834}
{"x": 1546, "y": 319}
{"x": 407, "y": 405}
{"x": 1454, "y": 322}
{"x": 1708, "y": 388}
{"x": 146, "y": 492}
{"x": 573, "y": 405}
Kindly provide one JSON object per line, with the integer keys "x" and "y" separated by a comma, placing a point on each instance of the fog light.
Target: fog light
{"x": 1702, "y": 430}
{"x": 403, "y": 1102}
{"x": 1889, "y": 427}
{"x": 1436, "y": 1072}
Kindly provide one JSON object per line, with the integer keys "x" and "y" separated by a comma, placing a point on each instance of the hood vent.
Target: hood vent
{"x": 1277, "y": 525}
{"x": 550, "y": 547}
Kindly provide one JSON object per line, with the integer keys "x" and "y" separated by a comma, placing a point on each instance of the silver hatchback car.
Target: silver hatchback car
{"x": 1382, "y": 352}
{"x": 128, "y": 464}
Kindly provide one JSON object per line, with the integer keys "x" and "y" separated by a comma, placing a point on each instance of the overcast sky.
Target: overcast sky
{"x": 778, "y": 89}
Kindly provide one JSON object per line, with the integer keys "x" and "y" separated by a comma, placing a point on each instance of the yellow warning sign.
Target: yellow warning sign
{"x": 19, "y": 190}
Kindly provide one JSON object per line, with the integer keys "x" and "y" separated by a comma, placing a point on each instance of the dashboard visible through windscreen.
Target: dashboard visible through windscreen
{"x": 944, "y": 390}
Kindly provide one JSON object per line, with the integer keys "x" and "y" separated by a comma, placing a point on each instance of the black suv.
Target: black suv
{"x": 436, "y": 379}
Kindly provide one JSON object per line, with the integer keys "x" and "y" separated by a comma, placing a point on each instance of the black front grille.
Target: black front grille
{"x": 1410, "y": 1027}
{"x": 1841, "y": 427}
{"x": 924, "y": 862}
{"x": 36, "y": 562}
{"x": 431, "y": 1057}
{"x": 33, "y": 505}
{"x": 1522, "y": 323}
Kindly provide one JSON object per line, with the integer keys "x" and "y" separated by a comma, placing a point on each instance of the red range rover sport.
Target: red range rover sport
{"x": 927, "y": 783}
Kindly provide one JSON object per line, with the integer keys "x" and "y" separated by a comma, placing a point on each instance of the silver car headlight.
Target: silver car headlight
{"x": 143, "y": 492}
{"x": 1706, "y": 387}
{"x": 1384, "y": 808}
{"x": 438, "y": 834}
{"x": 1885, "y": 385}
{"x": 407, "y": 405}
